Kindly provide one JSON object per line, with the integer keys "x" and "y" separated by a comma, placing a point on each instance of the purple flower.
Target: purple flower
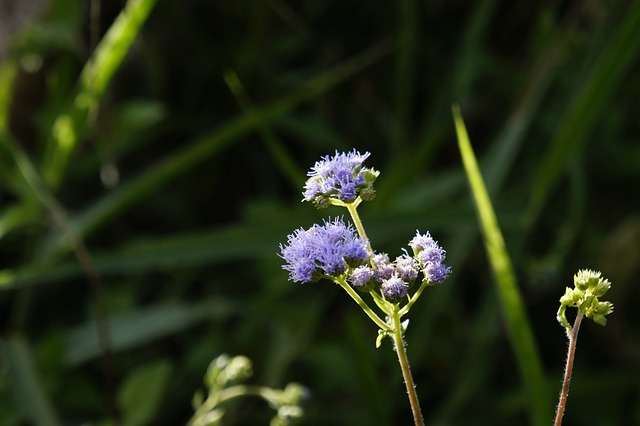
{"x": 407, "y": 268}
{"x": 431, "y": 257}
{"x": 361, "y": 276}
{"x": 322, "y": 250}
{"x": 394, "y": 288}
{"x": 340, "y": 177}
{"x": 382, "y": 267}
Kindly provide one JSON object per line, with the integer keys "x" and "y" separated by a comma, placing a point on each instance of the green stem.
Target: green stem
{"x": 215, "y": 398}
{"x": 406, "y": 370}
{"x": 367, "y": 310}
{"x": 353, "y": 211}
{"x": 412, "y": 300}
{"x": 568, "y": 370}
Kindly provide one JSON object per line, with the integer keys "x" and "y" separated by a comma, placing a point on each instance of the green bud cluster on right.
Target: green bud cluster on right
{"x": 589, "y": 287}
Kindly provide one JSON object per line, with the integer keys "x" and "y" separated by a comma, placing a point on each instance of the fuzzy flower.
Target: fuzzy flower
{"x": 362, "y": 277}
{"x": 382, "y": 266}
{"x": 407, "y": 268}
{"x": 341, "y": 177}
{"x": 431, "y": 257}
{"x": 322, "y": 250}
{"x": 394, "y": 288}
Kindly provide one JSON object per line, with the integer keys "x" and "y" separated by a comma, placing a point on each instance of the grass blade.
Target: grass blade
{"x": 517, "y": 322}
{"x": 72, "y": 123}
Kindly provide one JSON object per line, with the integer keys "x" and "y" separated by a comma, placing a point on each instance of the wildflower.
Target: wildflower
{"x": 394, "y": 288}
{"x": 362, "y": 277}
{"x": 382, "y": 266}
{"x": 322, "y": 250}
{"x": 341, "y": 177}
{"x": 407, "y": 268}
{"x": 430, "y": 257}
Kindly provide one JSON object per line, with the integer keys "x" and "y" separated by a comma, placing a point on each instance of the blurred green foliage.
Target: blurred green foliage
{"x": 164, "y": 145}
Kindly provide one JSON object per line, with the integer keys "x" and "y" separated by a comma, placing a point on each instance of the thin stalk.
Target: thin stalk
{"x": 406, "y": 370}
{"x": 367, "y": 310}
{"x": 353, "y": 211}
{"x": 217, "y": 398}
{"x": 568, "y": 370}
{"x": 413, "y": 298}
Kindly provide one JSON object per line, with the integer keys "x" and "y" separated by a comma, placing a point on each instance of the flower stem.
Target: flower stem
{"x": 406, "y": 370}
{"x": 353, "y": 211}
{"x": 367, "y": 310}
{"x": 573, "y": 338}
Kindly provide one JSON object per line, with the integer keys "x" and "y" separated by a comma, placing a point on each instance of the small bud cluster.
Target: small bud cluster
{"x": 589, "y": 287}
{"x": 341, "y": 177}
{"x": 396, "y": 278}
{"x": 222, "y": 382}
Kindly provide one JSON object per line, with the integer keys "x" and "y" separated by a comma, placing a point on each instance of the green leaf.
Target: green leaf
{"x": 141, "y": 394}
{"x": 28, "y": 389}
{"x": 140, "y": 326}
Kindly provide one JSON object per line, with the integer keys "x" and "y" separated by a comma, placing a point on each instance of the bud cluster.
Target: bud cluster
{"x": 589, "y": 287}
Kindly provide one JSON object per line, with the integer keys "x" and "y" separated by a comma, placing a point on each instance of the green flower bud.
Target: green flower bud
{"x": 601, "y": 287}
{"x": 570, "y": 297}
{"x": 589, "y": 286}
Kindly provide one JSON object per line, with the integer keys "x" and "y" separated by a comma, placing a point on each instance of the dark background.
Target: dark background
{"x": 209, "y": 180}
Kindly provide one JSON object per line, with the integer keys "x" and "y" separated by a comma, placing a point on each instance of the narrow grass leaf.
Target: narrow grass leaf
{"x": 140, "y": 326}
{"x": 517, "y": 322}
{"x": 72, "y": 123}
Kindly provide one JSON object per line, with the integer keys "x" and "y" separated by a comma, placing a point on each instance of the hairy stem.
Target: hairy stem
{"x": 573, "y": 338}
{"x": 398, "y": 341}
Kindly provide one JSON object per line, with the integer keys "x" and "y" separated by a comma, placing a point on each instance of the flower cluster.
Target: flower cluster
{"x": 589, "y": 287}
{"x": 431, "y": 257}
{"x": 341, "y": 177}
{"x": 396, "y": 278}
{"x": 323, "y": 250}
{"x": 334, "y": 251}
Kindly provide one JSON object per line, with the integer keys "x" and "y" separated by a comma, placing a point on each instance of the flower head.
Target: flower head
{"x": 394, "y": 288}
{"x": 362, "y": 277}
{"x": 322, "y": 250}
{"x": 430, "y": 256}
{"x": 341, "y": 177}
{"x": 589, "y": 287}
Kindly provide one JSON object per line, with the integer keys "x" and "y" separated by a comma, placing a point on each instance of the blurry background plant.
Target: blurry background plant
{"x": 177, "y": 160}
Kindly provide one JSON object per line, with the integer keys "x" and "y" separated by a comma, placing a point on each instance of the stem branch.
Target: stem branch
{"x": 367, "y": 310}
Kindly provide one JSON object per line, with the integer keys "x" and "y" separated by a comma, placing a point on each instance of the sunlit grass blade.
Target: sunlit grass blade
{"x": 517, "y": 322}
{"x": 590, "y": 101}
{"x": 72, "y": 123}
{"x": 27, "y": 385}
